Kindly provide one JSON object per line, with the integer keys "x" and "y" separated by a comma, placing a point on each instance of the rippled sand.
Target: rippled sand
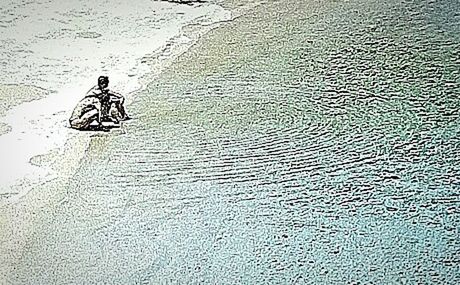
{"x": 302, "y": 143}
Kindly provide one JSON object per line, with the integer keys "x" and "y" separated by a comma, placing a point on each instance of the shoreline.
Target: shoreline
{"x": 23, "y": 94}
{"x": 20, "y": 215}
{"x": 16, "y": 120}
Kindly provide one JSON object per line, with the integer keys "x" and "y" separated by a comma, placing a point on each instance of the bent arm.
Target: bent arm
{"x": 116, "y": 97}
{"x": 115, "y": 94}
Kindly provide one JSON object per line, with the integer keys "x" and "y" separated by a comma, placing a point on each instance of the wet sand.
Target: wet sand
{"x": 304, "y": 142}
{"x": 12, "y": 95}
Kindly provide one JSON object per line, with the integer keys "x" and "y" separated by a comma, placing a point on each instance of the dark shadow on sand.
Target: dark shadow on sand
{"x": 187, "y": 2}
{"x": 98, "y": 128}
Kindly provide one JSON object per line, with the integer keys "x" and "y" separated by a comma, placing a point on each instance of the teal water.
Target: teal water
{"x": 304, "y": 143}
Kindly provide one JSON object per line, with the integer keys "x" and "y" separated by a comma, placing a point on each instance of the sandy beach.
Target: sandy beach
{"x": 61, "y": 50}
{"x": 291, "y": 142}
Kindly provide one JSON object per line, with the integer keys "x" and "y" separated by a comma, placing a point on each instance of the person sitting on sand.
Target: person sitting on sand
{"x": 112, "y": 107}
{"x": 99, "y": 105}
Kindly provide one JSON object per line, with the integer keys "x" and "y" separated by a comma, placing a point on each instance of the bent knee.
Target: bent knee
{"x": 76, "y": 124}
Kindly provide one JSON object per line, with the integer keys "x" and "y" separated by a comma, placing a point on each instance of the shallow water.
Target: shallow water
{"x": 306, "y": 142}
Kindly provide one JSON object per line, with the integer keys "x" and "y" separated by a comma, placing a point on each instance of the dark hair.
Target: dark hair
{"x": 103, "y": 79}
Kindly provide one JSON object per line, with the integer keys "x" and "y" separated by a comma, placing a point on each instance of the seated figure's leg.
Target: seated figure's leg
{"x": 119, "y": 101}
{"x": 85, "y": 120}
{"x": 105, "y": 108}
{"x": 121, "y": 109}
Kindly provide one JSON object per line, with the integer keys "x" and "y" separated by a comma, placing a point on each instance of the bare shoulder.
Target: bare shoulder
{"x": 93, "y": 91}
